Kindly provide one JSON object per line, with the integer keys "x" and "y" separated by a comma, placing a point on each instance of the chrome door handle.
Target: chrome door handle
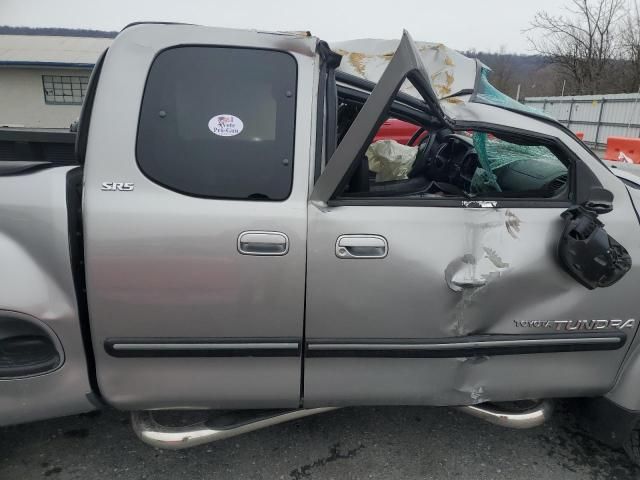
{"x": 361, "y": 246}
{"x": 263, "y": 243}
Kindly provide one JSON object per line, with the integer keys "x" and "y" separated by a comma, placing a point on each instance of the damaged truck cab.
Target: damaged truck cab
{"x": 232, "y": 238}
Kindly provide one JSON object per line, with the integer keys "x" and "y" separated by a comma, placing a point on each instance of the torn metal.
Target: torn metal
{"x": 450, "y": 72}
{"x": 489, "y": 246}
{"x": 455, "y": 78}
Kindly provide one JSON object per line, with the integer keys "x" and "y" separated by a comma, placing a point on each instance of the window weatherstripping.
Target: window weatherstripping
{"x": 82, "y": 134}
{"x": 64, "y": 89}
{"x": 219, "y": 122}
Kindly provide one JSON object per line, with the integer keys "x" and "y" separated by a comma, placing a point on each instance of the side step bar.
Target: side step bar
{"x": 533, "y": 416}
{"x": 215, "y": 428}
{"x": 232, "y": 423}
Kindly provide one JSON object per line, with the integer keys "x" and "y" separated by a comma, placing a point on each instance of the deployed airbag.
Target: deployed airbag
{"x": 390, "y": 160}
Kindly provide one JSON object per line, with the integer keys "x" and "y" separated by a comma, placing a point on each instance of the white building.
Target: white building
{"x": 43, "y": 78}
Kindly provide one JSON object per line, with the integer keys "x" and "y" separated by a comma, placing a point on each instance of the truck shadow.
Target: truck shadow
{"x": 401, "y": 442}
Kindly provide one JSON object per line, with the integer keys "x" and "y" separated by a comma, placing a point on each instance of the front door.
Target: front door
{"x": 434, "y": 298}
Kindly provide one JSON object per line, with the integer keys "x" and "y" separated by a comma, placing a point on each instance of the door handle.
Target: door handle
{"x": 361, "y": 246}
{"x": 263, "y": 243}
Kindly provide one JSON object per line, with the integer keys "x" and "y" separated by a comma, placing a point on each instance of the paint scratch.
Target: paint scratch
{"x": 512, "y": 222}
{"x": 494, "y": 258}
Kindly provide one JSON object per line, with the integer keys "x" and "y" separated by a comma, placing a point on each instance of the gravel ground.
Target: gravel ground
{"x": 354, "y": 443}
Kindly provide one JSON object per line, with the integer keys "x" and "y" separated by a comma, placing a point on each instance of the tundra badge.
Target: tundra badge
{"x": 576, "y": 324}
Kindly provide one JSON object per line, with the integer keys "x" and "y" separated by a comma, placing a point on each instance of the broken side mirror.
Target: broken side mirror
{"x": 587, "y": 252}
{"x": 600, "y": 201}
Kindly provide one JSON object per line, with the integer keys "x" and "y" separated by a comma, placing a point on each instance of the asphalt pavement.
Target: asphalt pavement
{"x": 352, "y": 443}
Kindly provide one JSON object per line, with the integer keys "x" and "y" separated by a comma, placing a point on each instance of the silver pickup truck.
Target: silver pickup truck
{"x": 231, "y": 242}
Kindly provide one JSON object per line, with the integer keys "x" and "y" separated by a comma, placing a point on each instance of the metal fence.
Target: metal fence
{"x": 597, "y": 116}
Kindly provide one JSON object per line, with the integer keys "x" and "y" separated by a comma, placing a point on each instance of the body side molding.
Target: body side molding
{"x": 202, "y": 347}
{"x": 471, "y": 346}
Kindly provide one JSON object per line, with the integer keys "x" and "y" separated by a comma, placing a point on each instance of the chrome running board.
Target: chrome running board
{"x": 531, "y": 417}
{"x": 231, "y": 423}
{"x": 223, "y": 426}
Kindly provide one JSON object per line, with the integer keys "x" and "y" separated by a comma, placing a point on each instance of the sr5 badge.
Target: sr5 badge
{"x": 117, "y": 186}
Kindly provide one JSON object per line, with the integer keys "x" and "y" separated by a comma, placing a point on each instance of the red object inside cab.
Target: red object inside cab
{"x": 398, "y": 130}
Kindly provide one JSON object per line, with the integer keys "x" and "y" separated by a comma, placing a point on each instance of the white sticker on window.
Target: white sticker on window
{"x": 226, "y": 125}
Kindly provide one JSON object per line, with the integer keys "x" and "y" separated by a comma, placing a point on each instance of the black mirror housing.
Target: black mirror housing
{"x": 600, "y": 200}
{"x": 586, "y": 251}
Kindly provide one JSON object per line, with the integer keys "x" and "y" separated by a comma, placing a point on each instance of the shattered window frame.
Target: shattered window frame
{"x": 564, "y": 196}
{"x": 484, "y": 92}
{"x": 495, "y": 153}
{"x": 531, "y": 145}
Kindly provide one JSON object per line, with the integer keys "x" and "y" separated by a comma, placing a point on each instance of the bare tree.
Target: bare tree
{"x": 630, "y": 43}
{"x": 502, "y": 71}
{"x": 583, "y": 42}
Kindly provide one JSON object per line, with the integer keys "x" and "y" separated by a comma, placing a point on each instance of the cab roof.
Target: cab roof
{"x": 452, "y": 74}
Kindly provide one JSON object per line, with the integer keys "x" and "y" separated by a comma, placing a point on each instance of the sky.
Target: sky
{"x": 485, "y": 25}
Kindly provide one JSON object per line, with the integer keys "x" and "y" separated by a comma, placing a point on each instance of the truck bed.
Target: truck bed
{"x": 38, "y": 302}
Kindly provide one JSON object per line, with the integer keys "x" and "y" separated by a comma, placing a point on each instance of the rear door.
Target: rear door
{"x": 195, "y": 217}
{"x": 441, "y": 300}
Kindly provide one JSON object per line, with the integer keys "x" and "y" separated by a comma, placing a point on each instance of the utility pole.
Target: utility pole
{"x": 564, "y": 84}
{"x": 518, "y": 93}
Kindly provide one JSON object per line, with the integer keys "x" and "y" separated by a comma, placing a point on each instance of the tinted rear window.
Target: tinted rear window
{"x": 219, "y": 122}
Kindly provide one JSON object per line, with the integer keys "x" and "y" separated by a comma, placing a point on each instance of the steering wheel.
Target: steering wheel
{"x": 451, "y": 163}
{"x": 416, "y": 136}
{"x": 440, "y": 161}
{"x": 422, "y": 156}
{"x": 436, "y": 165}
